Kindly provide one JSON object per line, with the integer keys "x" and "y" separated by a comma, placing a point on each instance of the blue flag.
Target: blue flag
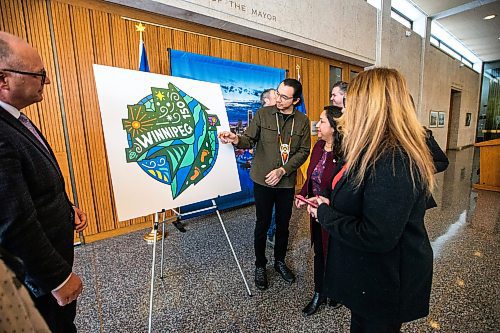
{"x": 302, "y": 105}
{"x": 143, "y": 58}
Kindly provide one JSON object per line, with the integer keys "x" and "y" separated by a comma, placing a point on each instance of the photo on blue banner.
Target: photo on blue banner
{"x": 241, "y": 83}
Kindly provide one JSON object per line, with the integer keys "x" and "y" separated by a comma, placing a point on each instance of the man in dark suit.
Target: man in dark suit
{"x": 36, "y": 217}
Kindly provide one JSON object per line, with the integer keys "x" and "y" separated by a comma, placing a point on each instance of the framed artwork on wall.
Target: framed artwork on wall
{"x": 468, "y": 117}
{"x": 433, "y": 119}
{"x": 440, "y": 119}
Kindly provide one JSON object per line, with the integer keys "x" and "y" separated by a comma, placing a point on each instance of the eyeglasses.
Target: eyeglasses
{"x": 43, "y": 73}
{"x": 283, "y": 97}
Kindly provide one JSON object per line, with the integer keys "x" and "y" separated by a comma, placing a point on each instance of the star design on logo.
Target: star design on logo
{"x": 160, "y": 96}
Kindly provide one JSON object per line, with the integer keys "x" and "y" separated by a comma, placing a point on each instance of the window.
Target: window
{"x": 401, "y": 18}
{"x": 446, "y": 48}
{"x": 335, "y": 75}
{"x": 352, "y": 75}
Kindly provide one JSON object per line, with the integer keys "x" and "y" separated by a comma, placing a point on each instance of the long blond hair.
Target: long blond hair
{"x": 380, "y": 116}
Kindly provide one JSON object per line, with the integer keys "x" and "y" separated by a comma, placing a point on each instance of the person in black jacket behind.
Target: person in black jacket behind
{"x": 379, "y": 260}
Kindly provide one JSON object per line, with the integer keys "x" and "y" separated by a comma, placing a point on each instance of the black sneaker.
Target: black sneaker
{"x": 284, "y": 271}
{"x": 261, "y": 278}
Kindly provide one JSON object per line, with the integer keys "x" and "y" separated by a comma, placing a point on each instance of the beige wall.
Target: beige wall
{"x": 405, "y": 55}
{"x": 442, "y": 74}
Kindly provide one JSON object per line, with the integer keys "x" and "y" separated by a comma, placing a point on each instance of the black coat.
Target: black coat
{"x": 440, "y": 161}
{"x": 379, "y": 261}
{"x": 36, "y": 217}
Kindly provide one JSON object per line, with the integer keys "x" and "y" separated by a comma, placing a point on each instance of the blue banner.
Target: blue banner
{"x": 242, "y": 84}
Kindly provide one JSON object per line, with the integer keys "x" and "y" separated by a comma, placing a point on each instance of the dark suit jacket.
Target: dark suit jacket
{"x": 36, "y": 217}
{"x": 379, "y": 261}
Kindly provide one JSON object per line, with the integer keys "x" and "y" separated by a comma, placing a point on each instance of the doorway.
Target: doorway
{"x": 453, "y": 119}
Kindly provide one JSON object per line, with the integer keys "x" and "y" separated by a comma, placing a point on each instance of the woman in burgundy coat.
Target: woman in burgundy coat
{"x": 323, "y": 166}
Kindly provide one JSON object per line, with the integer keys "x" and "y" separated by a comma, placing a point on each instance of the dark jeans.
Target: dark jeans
{"x": 59, "y": 318}
{"x": 361, "y": 325}
{"x": 265, "y": 199}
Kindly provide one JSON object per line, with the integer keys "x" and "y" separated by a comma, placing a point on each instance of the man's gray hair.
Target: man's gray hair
{"x": 265, "y": 94}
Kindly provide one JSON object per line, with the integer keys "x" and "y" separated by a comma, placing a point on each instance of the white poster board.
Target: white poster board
{"x": 161, "y": 140}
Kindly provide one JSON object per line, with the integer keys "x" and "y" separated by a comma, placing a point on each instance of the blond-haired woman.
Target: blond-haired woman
{"x": 379, "y": 261}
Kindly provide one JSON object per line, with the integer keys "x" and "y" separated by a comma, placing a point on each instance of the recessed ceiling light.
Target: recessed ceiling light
{"x": 489, "y": 17}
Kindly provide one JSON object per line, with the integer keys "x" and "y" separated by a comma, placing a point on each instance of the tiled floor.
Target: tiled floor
{"x": 202, "y": 290}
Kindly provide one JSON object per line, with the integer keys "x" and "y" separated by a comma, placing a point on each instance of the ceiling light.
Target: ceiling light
{"x": 489, "y": 17}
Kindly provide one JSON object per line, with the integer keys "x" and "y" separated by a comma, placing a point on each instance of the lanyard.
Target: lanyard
{"x": 338, "y": 176}
{"x": 284, "y": 148}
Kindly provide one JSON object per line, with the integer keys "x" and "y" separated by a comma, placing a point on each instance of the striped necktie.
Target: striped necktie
{"x": 27, "y": 123}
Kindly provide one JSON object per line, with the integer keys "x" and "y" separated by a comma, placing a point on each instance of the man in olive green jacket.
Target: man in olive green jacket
{"x": 281, "y": 136}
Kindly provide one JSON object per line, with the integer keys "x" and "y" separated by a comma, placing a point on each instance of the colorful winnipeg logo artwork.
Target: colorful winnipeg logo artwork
{"x": 172, "y": 138}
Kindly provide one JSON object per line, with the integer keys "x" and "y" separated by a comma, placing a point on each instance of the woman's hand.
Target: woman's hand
{"x": 319, "y": 200}
{"x": 312, "y": 211}
{"x": 298, "y": 203}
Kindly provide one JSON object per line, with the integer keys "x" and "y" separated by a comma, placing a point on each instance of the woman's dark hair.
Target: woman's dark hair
{"x": 332, "y": 113}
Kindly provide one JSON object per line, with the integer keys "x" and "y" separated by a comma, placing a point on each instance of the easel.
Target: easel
{"x": 177, "y": 217}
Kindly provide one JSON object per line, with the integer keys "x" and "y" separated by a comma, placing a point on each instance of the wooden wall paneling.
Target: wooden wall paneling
{"x": 246, "y": 53}
{"x": 276, "y": 60}
{"x": 215, "y": 47}
{"x": 285, "y": 62}
{"x": 102, "y": 37}
{"x": 49, "y": 110}
{"x": 122, "y": 44}
{"x": 12, "y": 18}
{"x": 262, "y": 57}
{"x": 253, "y": 55}
{"x": 325, "y": 83}
{"x": 178, "y": 40}
{"x": 226, "y": 51}
{"x": 131, "y": 36}
{"x": 13, "y": 21}
{"x": 150, "y": 37}
{"x": 47, "y": 114}
{"x": 90, "y": 115}
{"x": 71, "y": 96}
{"x": 44, "y": 114}
{"x": 165, "y": 42}
{"x": 191, "y": 41}
{"x": 235, "y": 51}
{"x": 304, "y": 79}
{"x": 203, "y": 45}
{"x": 316, "y": 85}
{"x": 269, "y": 59}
